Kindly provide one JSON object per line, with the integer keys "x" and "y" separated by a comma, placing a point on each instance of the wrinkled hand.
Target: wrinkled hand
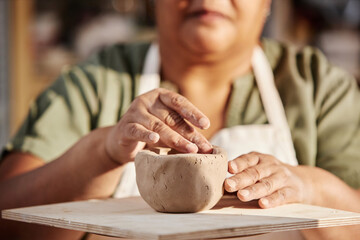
{"x": 158, "y": 115}
{"x": 263, "y": 177}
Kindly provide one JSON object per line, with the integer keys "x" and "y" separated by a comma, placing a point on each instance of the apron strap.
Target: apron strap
{"x": 150, "y": 78}
{"x": 270, "y": 97}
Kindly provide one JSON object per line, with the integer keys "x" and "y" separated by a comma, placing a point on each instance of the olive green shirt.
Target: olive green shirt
{"x": 322, "y": 105}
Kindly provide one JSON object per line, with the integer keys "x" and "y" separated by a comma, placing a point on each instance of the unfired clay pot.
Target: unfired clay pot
{"x": 181, "y": 182}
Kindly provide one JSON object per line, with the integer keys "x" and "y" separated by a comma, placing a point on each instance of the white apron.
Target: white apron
{"x": 273, "y": 138}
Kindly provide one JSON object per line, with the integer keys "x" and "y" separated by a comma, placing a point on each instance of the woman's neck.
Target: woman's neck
{"x": 189, "y": 71}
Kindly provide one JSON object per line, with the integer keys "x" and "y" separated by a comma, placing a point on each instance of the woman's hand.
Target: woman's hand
{"x": 263, "y": 177}
{"x": 158, "y": 115}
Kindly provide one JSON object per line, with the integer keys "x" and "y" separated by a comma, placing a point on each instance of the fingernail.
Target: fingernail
{"x": 191, "y": 148}
{"x": 234, "y": 167}
{"x": 244, "y": 193}
{"x": 206, "y": 147}
{"x": 231, "y": 183}
{"x": 154, "y": 137}
{"x": 204, "y": 123}
{"x": 264, "y": 201}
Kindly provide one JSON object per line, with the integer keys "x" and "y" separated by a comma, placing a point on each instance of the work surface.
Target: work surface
{"x": 133, "y": 218}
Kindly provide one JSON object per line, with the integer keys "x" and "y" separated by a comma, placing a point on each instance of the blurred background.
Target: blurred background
{"x": 39, "y": 37}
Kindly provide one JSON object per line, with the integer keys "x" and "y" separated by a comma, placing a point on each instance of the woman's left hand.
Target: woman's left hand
{"x": 263, "y": 177}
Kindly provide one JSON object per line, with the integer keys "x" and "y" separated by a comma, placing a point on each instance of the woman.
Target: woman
{"x": 89, "y": 124}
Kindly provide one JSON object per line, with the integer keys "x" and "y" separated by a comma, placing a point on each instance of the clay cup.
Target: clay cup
{"x": 178, "y": 182}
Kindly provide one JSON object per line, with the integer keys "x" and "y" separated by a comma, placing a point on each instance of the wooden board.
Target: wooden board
{"x": 133, "y": 218}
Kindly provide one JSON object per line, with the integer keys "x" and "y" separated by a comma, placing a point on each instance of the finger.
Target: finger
{"x": 279, "y": 197}
{"x": 243, "y": 162}
{"x": 249, "y": 177}
{"x": 185, "y": 108}
{"x": 137, "y": 132}
{"x": 168, "y": 136}
{"x": 264, "y": 187}
{"x": 177, "y": 123}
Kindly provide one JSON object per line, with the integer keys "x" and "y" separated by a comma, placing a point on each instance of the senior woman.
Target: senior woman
{"x": 297, "y": 115}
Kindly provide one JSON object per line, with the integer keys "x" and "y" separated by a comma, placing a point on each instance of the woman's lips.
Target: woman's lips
{"x": 207, "y": 15}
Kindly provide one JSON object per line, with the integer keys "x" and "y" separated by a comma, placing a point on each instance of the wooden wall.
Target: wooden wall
{"x": 25, "y": 84}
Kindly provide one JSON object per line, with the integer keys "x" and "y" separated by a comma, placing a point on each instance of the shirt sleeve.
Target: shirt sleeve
{"x": 92, "y": 94}
{"x": 58, "y": 118}
{"x": 337, "y": 104}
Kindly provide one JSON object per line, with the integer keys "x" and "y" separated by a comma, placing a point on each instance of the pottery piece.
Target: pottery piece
{"x": 178, "y": 182}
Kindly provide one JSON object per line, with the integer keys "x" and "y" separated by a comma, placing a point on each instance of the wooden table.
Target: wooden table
{"x": 133, "y": 218}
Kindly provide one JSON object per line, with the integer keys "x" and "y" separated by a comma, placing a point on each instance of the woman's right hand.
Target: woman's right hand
{"x": 158, "y": 116}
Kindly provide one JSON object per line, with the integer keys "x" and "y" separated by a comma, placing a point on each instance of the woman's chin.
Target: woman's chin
{"x": 207, "y": 43}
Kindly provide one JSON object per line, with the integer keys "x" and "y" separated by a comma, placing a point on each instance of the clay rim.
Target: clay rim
{"x": 217, "y": 151}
